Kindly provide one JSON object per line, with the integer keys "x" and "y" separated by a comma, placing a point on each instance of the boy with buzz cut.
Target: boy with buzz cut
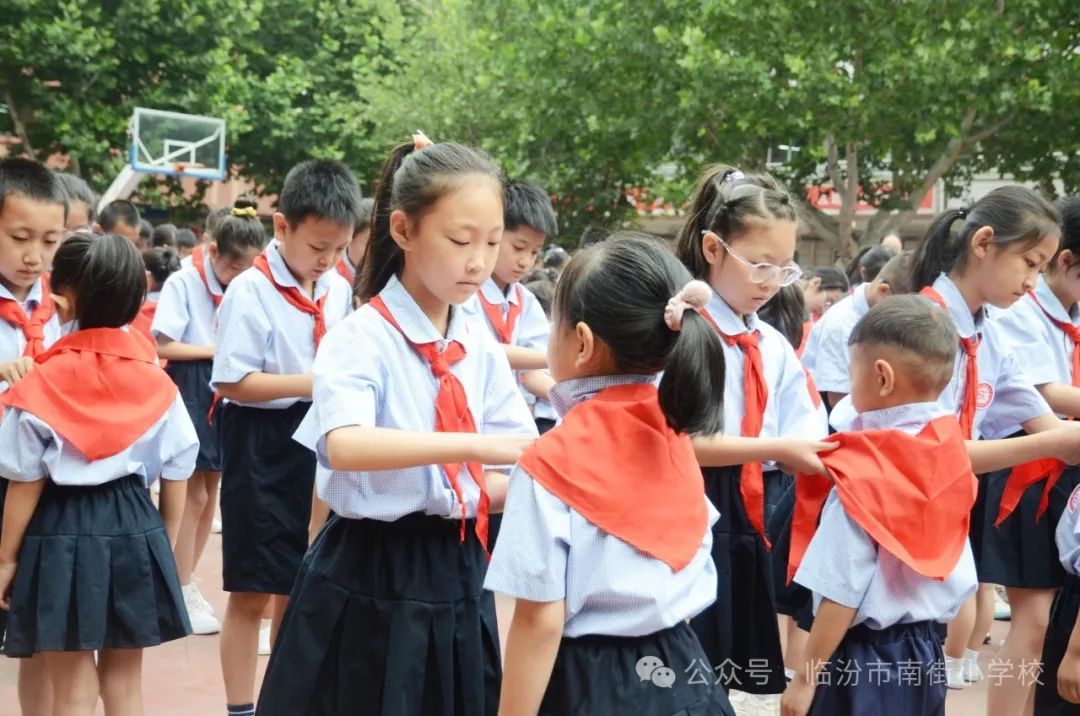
{"x": 890, "y": 557}
{"x": 270, "y": 324}
{"x": 122, "y": 218}
{"x": 33, "y": 212}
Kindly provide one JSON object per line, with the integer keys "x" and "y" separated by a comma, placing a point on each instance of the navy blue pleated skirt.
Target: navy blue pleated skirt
{"x": 666, "y": 674}
{"x": 1022, "y": 552}
{"x": 899, "y": 671}
{"x": 192, "y": 378}
{"x": 266, "y": 484}
{"x": 1062, "y": 620}
{"x": 387, "y": 618}
{"x": 793, "y": 600}
{"x": 96, "y": 571}
{"x": 739, "y": 631}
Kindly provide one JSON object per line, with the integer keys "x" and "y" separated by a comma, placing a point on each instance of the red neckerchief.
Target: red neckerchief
{"x": 346, "y": 270}
{"x": 452, "y": 414}
{"x": 504, "y": 328}
{"x": 970, "y": 346}
{"x": 1050, "y": 469}
{"x": 99, "y": 388}
{"x": 615, "y": 460}
{"x": 197, "y": 262}
{"x": 32, "y": 326}
{"x": 752, "y": 484}
{"x": 296, "y": 298}
{"x": 912, "y": 494}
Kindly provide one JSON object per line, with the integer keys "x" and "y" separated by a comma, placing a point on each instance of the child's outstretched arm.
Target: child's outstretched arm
{"x": 539, "y": 383}
{"x": 531, "y": 647}
{"x": 525, "y": 358}
{"x": 830, "y": 625}
{"x": 355, "y": 448}
{"x": 727, "y": 450}
{"x": 19, "y": 507}
{"x": 1048, "y": 437}
{"x": 169, "y": 349}
{"x": 1064, "y": 399}
{"x": 262, "y": 387}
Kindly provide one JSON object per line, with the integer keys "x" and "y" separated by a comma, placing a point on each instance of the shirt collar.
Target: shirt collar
{"x": 567, "y": 394}
{"x": 212, "y": 280}
{"x": 727, "y": 320}
{"x": 967, "y": 325}
{"x": 493, "y": 294}
{"x": 859, "y": 302}
{"x": 1051, "y": 304}
{"x": 33, "y": 298}
{"x": 283, "y": 276}
{"x": 415, "y": 324}
{"x": 909, "y": 417}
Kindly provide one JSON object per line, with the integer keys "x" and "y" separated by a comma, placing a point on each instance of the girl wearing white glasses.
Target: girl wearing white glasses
{"x": 740, "y": 239}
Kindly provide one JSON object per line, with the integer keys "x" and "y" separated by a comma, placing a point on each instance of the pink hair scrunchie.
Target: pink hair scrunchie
{"x": 694, "y": 295}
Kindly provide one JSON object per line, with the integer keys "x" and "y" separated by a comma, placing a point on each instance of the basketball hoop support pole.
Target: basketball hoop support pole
{"x": 121, "y": 187}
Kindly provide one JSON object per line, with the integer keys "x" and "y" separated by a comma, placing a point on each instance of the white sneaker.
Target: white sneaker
{"x": 264, "y": 638}
{"x": 954, "y": 673}
{"x": 202, "y": 621}
{"x": 1002, "y": 610}
{"x": 195, "y": 582}
{"x": 215, "y": 527}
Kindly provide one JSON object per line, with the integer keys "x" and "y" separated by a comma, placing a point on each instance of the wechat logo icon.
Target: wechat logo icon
{"x": 651, "y": 668}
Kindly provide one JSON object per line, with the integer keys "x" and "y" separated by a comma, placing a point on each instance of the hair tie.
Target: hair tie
{"x": 420, "y": 141}
{"x": 734, "y": 176}
{"x": 245, "y": 212}
{"x": 694, "y": 295}
{"x": 961, "y": 213}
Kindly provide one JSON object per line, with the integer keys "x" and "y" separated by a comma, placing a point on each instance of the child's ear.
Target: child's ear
{"x": 886, "y": 377}
{"x": 711, "y": 248}
{"x": 981, "y": 241}
{"x": 214, "y": 251}
{"x": 281, "y": 225}
{"x": 399, "y": 228}
{"x": 586, "y": 345}
{"x": 65, "y": 308}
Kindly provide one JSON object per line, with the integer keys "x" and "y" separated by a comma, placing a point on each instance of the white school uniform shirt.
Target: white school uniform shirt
{"x": 548, "y": 551}
{"x": 1067, "y": 535}
{"x": 186, "y": 311}
{"x": 531, "y": 330}
{"x": 1005, "y": 399}
{"x": 844, "y": 564}
{"x": 789, "y": 410}
{"x": 367, "y": 374}
{"x": 1042, "y": 350}
{"x": 260, "y": 332}
{"x": 31, "y": 450}
{"x": 12, "y": 340}
{"x": 187, "y": 262}
{"x": 827, "y": 355}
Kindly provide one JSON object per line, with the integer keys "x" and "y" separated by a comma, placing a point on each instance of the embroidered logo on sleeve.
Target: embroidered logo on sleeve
{"x": 1074, "y": 499}
{"x": 984, "y": 396}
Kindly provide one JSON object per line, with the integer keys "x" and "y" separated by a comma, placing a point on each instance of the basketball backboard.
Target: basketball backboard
{"x": 177, "y": 144}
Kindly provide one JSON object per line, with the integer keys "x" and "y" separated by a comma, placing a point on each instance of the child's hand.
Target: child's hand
{"x": 15, "y": 370}
{"x": 1068, "y": 681}
{"x": 797, "y": 697}
{"x": 802, "y": 457}
{"x": 500, "y": 449}
{"x": 7, "y": 576}
{"x": 1067, "y": 449}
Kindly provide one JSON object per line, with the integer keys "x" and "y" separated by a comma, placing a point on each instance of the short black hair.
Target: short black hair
{"x": 107, "y": 276}
{"x": 164, "y": 235}
{"x": 116, "y": 212}
{"x": 186, "y": 239}
{"x": 786, "y": 312}
{"x": 146, "y": 230}
{"x": 913, "y": 325}
{"x": 367, "y": 210}
{"x": 556, "y": 257}
{"x": 323, "y": 188}
{"x": 832, "y": 278}
{"x": 31, "y": 179}
{"x": 527, "y": 204}
{"x": 161, "y": 263}
{"x": 78, "y": 190}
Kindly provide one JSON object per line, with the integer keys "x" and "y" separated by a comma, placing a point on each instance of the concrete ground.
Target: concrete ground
{"x": 183, "y": 678}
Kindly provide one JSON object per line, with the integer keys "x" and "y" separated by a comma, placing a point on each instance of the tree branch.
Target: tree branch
{"x": 16, "y": 120}
{"x": 832, "y": 165}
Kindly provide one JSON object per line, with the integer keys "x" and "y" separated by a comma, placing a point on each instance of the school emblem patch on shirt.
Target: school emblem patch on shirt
{"x": 1074, "y": 499}
{"x": 984, "y": 396}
